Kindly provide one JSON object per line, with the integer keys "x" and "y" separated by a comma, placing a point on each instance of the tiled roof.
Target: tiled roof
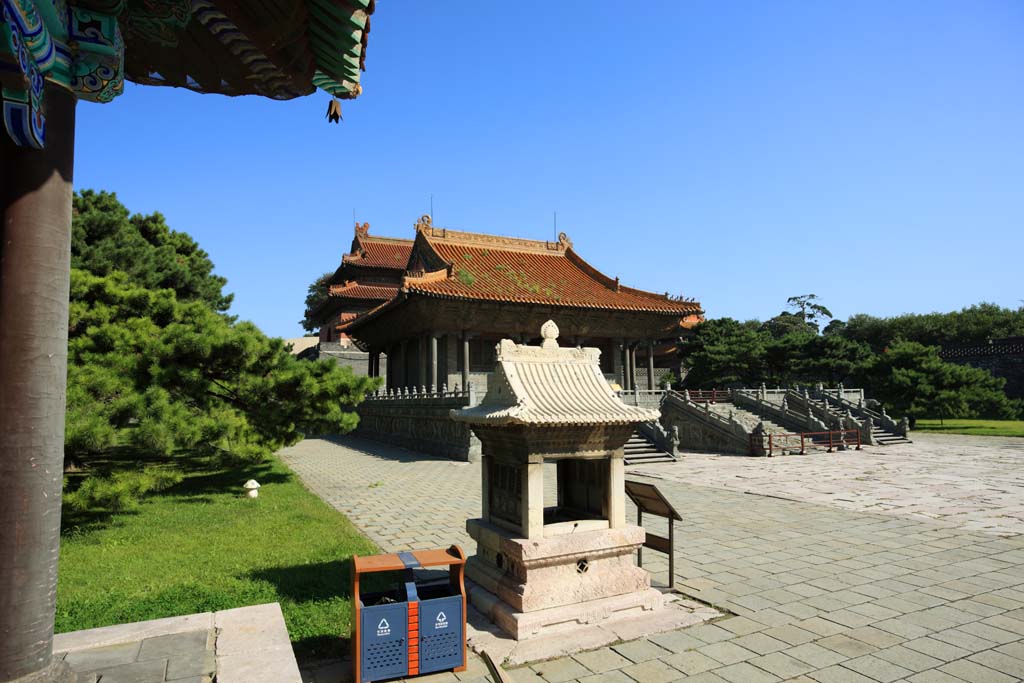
{"x": 355, "y": 290}
{"x": 527, "y": 271}
{"x": 379, "y": 252}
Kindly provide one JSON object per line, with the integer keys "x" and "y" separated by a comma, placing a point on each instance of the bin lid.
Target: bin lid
{"x": 550, "y": 385}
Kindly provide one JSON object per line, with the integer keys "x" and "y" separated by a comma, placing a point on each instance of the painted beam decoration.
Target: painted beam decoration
{"x": 278, "y": 49}
{"x": 47, "y": 41}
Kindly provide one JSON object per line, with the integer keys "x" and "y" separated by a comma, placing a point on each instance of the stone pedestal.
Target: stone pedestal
{"x": 528, "y": 585}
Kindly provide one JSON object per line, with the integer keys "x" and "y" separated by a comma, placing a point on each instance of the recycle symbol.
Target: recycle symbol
{"x": 441, "y": 618}
{"x": 383, "y": 624}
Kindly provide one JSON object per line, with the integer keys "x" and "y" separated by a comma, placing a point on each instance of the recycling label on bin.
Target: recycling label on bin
{"x": 441, "y": 621}
{"x": 383, "y": 628}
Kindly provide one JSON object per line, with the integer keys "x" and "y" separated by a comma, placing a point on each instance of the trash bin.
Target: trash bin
{"x": 412, "y": 627}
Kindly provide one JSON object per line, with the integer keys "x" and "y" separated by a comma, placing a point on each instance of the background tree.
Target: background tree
{"x": 724, "y": 352}
{"x": 810, "y": 311}
{"x": 911, "y": 379}
{"x": 161, "y": 370}
{"x": 105, "y": 239}
{"x": 316, "y": 294}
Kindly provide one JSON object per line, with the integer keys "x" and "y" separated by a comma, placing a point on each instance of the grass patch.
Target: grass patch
{"x": 973, "y": 427}
{"x": 202, "y": 546}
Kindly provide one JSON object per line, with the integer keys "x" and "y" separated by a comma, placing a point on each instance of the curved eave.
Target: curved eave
{"x": 372, "y": 313}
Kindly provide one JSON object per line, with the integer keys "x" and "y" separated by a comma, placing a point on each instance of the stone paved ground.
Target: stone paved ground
{"x": 969, "y": 481}
{"x": 820, "y": 592}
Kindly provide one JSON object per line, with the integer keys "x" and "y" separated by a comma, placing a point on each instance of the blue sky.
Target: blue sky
{"x": 871, "y": 153}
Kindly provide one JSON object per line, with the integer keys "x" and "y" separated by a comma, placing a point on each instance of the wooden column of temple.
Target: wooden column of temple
{"x": 465, "y": 361}
{"x": 35, "y": 271}
{"x": 650, "y": 364}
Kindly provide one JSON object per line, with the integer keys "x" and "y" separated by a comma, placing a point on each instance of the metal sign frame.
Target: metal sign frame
{"x": 649, "y": 499}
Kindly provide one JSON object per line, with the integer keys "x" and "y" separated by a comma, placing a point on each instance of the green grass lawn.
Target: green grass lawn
{"x": 974, "y": 427}
{"x": 201, "y": 546}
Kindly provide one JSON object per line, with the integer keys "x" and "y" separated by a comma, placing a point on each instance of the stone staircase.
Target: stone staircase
{"x": 747, "y": 418}
{"x": 641, "y": 450}
{"x": 884, "y": 437}
{"x": 881, "y": 435}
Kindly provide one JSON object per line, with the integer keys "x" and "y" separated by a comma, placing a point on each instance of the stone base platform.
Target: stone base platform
{"x": 243, "y": 645}
{"x": 559, "y": 631}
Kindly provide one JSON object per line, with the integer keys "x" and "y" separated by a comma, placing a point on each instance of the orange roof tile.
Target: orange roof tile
{"x": 355, "y": 290}
{"x": 482, "y": 267}
{"x": 378, "y": 252}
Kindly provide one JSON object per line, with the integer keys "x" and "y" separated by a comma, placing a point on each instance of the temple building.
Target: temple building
{"x": 437, "y": 305}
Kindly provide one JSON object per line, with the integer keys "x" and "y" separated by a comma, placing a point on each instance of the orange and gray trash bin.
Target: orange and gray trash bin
{"x": 412, "y": 628}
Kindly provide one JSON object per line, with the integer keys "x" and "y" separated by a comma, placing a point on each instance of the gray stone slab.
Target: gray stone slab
{"x": 191, "y": 664}
{"x": 192, "y": 644}
{"x": 103, "y": 657}
{"x": 149, "y": 671}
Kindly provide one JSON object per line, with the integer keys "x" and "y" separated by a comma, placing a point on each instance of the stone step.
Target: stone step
{"x": 639, "y": 450}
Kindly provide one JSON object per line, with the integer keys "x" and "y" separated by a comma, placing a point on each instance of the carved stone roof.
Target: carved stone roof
{"x": 548, "y": 385}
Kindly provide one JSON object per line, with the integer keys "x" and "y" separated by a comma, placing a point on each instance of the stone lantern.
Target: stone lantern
{"x": 537, "y": 567}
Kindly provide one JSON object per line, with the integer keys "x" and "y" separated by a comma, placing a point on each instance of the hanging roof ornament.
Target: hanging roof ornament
{"x": 334, "y": 110}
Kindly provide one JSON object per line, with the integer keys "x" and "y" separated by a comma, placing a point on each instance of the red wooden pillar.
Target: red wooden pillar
{"x": 35, "y": 256}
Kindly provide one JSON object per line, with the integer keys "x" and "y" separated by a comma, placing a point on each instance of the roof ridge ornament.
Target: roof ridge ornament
{"x": 549, "y": 333}
{"x": 362, "y": 230}
{"x": 425, "y": 223}
{"x": 564, "y": 240}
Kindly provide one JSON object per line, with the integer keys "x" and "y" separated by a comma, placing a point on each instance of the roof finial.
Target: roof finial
{"x": 424, "y": 223}
{"x": 549, "y": 333}
{"x": 362, "y": 230}
{"x": 564, "y": 240}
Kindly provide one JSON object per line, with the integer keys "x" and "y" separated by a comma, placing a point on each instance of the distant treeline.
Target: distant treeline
{"x": 895, "y": 359}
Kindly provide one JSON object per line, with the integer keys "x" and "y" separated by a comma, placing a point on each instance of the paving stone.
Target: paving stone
{"x": 820, "y": 627}
{"x": 601, "y": 660}
{"x": 640, "y": 650}
{"x": 760, "y": 643}
{"x": 691, "y": 662}
{"x": 817, "y": 656}
{"x": 710, "y": 633}
{"x": 165, "y": 646}
{"x": 103, "y": 657}
{"x": 676, "y": 641}
{"x": 186, "y": 666}
{"x": 615, "y": 676}
{"x": 727, "y": 652}
{"x": 840, "y": 674}
{"x": 781, "y": 665}
{"x": 740, "y": 625}
{"x": 149, "y": 671}
{"x": 705, "y": 677}
{"x": 651, "y": 671}
{"x": 792, "y": 634}
{"x": 908, "y": 659}
{"x": 1000, "y": 661}
{"x": 874, "y": 636}
{"x": 560, "y": 670}
{"x": 972, "y": 672}
{"x": 743, "y": 672}
{"x": 945, "y": 652}
{"x": 934, "y": 676}
{"x": 845, "y": 645}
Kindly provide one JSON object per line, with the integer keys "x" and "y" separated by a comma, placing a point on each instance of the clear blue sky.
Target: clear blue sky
{"x": 741, "y": 153}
